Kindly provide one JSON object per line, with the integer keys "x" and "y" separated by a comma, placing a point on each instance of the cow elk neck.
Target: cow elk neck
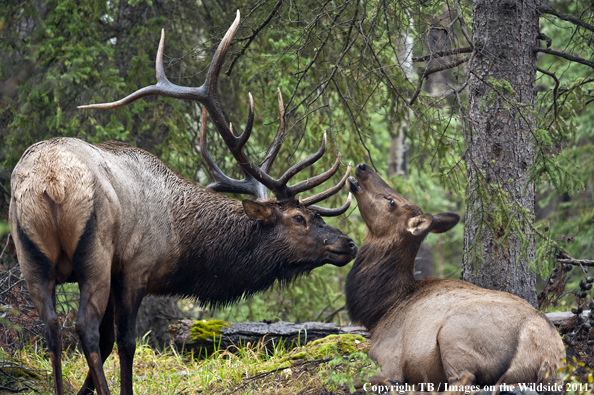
{"x": 383, "y": 272}
{"x": 122, "y": 224}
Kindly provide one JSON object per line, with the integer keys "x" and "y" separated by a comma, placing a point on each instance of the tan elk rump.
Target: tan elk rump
{"x": 437, "y": 331}
{"x": 122, "y": 224}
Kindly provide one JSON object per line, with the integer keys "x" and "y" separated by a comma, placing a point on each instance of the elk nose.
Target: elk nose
{"x": 352, "y": 245}
{"x": 362, "y": 166}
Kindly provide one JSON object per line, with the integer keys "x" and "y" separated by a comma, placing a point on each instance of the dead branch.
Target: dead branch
{"x": 576, "y": 262}
{"x": 5, "y": 247}
{"x": 441, "y": 54}
{"x": 565, "y": 56}
{"x": 546, "y": 9}
{"x": 425, "y": 72}
{"x": 463, "y": 24}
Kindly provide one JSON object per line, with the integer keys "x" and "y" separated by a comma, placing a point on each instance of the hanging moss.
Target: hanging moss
{"x": 204, "y": 330}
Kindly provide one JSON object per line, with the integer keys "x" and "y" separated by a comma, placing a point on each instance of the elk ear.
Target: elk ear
{"x": 444, "y": 222}
{"x": 420, "y": 224}
{"x": 259, "y": 211}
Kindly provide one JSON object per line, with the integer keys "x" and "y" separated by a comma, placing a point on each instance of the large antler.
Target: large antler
{"x": 257, "y": 178}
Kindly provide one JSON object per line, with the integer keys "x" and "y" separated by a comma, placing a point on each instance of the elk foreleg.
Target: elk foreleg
{"x": 106, "y": 342}
{"x": 128, "y": 298}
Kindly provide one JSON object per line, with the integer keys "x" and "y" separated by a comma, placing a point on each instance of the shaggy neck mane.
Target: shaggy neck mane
{"x": 382, "y": 277}
{"x": 224, "y": 255}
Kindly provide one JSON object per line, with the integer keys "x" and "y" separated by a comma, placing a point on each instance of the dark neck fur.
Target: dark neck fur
{"x": 382, "y": 276}
{"x": 225, "y": 255}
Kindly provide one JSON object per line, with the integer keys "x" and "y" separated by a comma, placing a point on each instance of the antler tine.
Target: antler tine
{"x": 204, "y": 94}
{"x": 223, "y": 183}
{"x": 333, "y": 212}
{"x": 314, "y": 181}
{"x": 243, "y": 138}
{"x": 326, "y": 194}
{"x": 303, "y": 164}
{"x": 278, "y": 138}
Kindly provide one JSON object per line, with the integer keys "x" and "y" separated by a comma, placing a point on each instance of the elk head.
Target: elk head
{"x": 389, "y": 215}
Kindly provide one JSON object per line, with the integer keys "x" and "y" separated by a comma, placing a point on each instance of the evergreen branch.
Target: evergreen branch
{"x": 546, "y": 9}
{"x": 253, "y": 36}
{"x": 14, "y": 391}
{"x": 354, "y": 121}
{"x": 564, "y": 55}
{"x": 311, "y": 63}
{"x": 463, "y": 24}
{"x": 441, "y": 54}
{"x": 555, "y": 90}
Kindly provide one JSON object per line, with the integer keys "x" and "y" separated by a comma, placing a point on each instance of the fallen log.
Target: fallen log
{"x": 561, "y": 318}
{"x": 291, "y": 335}
{"x": 188, "y": 335}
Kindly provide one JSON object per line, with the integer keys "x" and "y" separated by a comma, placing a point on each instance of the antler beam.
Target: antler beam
{"x": 257, "y": 178}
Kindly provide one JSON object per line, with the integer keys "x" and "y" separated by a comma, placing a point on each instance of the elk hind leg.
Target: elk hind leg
{"x": 39, "y": 271}
{"x": 92, "y": 264}
{"x": 106, "y": 342}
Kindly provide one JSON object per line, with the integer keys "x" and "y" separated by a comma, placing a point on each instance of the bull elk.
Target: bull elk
{"x": 437, "y": 330}
{"x": 122, "y": 224}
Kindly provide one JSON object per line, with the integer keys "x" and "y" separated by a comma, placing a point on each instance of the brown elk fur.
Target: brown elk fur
{"x": 437, "y": 331}
{"x": 122, "y": 224}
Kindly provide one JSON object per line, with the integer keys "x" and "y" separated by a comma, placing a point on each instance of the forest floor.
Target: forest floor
{"x": 258, "y": 370}
{"x": 310, "y": 370}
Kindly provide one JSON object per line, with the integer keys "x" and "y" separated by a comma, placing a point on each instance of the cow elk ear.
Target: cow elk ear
{"x": 259, "y": 212}
{"x": 444, "y": 222}
{"x": 420, "y": 224}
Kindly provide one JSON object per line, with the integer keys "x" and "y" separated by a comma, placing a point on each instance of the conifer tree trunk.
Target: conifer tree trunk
{"x": 500, "y": 148}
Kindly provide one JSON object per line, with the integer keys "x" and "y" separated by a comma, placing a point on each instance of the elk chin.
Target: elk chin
{"x": 338, "y": 259}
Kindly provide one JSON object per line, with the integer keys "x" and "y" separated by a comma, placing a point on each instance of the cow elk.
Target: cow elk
{"x": 123, "y": 225}
{"x": 445, "y": 332}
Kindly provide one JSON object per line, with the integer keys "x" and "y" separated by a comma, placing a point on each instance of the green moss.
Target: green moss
{"x": 330, "y": 346}
{"x": 204, "y": 330}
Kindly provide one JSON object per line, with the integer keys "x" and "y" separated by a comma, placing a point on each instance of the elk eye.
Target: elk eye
{"x": 392, "y": 203}
{"x": 299, "y": 218}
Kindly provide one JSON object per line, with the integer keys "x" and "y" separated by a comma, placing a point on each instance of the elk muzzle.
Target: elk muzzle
{"x": 340, "y": 251}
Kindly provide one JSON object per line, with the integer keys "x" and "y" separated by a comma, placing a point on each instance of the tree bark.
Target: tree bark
{"x": 500, "y": 149}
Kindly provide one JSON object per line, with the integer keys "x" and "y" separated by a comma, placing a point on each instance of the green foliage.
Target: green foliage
{"x": 4, "y": 229}
{"x": 349, "y": 370}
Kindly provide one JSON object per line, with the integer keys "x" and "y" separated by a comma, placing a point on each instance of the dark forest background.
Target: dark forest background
{"x": 398, "y": 85}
